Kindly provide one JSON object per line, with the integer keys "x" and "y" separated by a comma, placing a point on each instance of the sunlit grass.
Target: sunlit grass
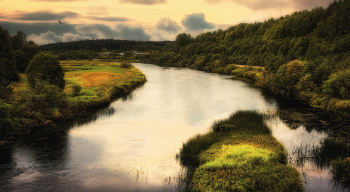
{"x": 239, "y": 154}
{"x": 100, "y": 82}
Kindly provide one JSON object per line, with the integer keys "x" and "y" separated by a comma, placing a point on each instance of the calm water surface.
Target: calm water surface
{"x": 132, "y": 144}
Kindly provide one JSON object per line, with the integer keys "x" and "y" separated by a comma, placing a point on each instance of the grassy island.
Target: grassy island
{"x": 239, "y": 154}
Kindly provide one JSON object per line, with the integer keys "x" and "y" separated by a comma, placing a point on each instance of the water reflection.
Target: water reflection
{"x": 315, "y": 137}
{"x": 131, "y": 145}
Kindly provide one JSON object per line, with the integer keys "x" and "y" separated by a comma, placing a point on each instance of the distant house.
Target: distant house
{"x": 136, "y": 53}
{"x": 106, "y": 53}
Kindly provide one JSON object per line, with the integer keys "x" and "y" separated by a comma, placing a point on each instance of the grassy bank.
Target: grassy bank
{"x": 239, "y": 154}
{"x": 89, "y": 85}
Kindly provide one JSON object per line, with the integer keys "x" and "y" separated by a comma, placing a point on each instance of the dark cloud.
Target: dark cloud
{"x": 120, "y": 19}
{"x": 99, "y": 30}
{"x": 51, "y": 37}
{"x": 133, "y": 33}
{"x": 166, "y": 24}
{"x": 258, "y": 5}
{"x": 45, "y": 15}
{"x": 196, "y": 21}
{"x": 121, "y": 31}
{"x": 38, "y": 27}
{"x": 143, "y": 2}
{"x": 310, "y": 4}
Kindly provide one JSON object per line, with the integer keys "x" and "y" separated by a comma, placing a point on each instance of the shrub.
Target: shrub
{"x": 341, "y": 170}
{"x": 125, "y": 64}
{"x": 76, "y": 89}
{"x": 46, "y": 97}
{"x": 6, "y": 124}
{"x": 44, "y": 67}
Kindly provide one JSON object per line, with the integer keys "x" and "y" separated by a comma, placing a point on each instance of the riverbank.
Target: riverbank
{"x": 238, "y": 154}
{"x": 292, "y": 81}
{"x": 89, "y": 85}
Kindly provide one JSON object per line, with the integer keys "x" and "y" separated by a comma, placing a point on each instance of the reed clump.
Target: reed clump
{"x": 239, "y": 154}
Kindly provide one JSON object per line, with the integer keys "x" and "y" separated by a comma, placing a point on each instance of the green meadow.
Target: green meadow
{"x": 89, "y": 84}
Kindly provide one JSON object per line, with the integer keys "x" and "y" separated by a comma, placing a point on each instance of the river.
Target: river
{"x": 132, "y": 144}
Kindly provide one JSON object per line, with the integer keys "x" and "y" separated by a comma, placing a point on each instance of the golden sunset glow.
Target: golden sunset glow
{"x": 136, "y": 19}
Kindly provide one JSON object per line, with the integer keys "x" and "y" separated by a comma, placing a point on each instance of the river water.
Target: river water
{"x": 132, "y": 144}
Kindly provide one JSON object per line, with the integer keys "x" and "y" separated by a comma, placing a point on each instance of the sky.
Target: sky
{"x": 145, "y": 20}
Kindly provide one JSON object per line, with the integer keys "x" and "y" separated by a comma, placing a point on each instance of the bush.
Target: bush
{"x": 76, "y": 89}
{"x": 6, "y": 124}
{"x": 44, "y": 67}
{"x": 46, "y": 97}
{"x": 125, "y": 64}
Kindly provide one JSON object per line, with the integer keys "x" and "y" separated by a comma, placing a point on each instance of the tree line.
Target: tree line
{"x": 307, "y": 49}
{"x": 109, "y": 44}
{"x": 45, "y": 79}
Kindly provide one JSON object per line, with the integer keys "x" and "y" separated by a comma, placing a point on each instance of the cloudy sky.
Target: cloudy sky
{"x": 137, "y": 19}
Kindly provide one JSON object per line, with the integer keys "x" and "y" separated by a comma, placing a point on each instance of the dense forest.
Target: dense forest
{"x": 304, "y": 55}
{"x": 109, "y": 44}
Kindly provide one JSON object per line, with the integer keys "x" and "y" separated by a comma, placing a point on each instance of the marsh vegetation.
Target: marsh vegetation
{"x": 238, "y": 154}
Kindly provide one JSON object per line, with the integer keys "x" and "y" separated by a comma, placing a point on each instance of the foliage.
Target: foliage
{"x": 312, "y": 42}
{"x": 44, "y": 67}
{"x": 18, "y": 40}
{"x": 22, "y": 60}
{"x": 30, "y": 49}
{"x": 76, "y": 89}
{"x": 9, "y": 70}
{"x": 5, "y": 90}
{"x": 341, "y": 170}
{"x": 183, "y": 39}
{"x": 109, "y": 44}
{"x": 6, "y": 51}
{"x": 126, "y": 64}
{"x": 6, "y": 123}
{"x": 338, "y": 85}
{"x": 46, "y": 97}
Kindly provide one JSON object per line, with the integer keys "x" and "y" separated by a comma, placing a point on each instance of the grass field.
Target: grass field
{"x": 89, "y": 84}
{"x": 97, "y": 77}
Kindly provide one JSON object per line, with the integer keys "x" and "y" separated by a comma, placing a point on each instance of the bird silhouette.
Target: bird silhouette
{"x": 60, "y": 22}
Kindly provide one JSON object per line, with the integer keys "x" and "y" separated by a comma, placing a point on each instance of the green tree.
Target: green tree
{"x": 183, "y": 39}
{"x": 22, "y": 60}
{"x": 44, "y": 67}
{"x": 31, "y": 49}
{"x": 6, "y": 50}
{"x": 9, "y": 70}
{"x": 18, "y": 40}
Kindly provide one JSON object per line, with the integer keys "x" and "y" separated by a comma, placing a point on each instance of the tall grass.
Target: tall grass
{"x": 243, "y": 122}
{"x": 238, "y": 154}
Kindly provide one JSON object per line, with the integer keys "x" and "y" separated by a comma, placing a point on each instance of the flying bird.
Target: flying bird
{"x": 60, "y": 22}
